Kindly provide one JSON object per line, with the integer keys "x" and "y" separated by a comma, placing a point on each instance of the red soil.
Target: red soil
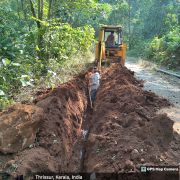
{"x": 59, "y": 139}
{"x": 124, "y": 130}
{"x": 126, "y": 133}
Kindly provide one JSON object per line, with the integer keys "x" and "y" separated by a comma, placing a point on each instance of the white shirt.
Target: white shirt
{"x": 95, "y": 79}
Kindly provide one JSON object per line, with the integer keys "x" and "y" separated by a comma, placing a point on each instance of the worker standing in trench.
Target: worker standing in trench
{"x": 95, "y": 84}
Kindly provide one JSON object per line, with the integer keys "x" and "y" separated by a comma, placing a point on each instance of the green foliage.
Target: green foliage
{"x": 150, "y": 27}
{"x": 143, "y": 20}
{"x": 11, "y": 78}
{"x": 165, "y": 50}
{"x": 60, "y": 41}
{"x": 116, "y": 18}
{"x": 14, "y": 167}
{"x": 35, "y": 39}
{"x": 27, "y": 49}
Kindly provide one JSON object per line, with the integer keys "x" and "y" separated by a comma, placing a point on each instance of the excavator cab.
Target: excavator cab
{"x": 110, "y": 45}
{"x": 113, "y": 38}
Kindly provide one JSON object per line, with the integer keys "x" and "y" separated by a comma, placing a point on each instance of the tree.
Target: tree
{"x": 129, "y": 23}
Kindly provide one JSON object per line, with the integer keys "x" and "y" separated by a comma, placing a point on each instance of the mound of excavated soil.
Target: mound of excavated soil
{"x": 18, "y": 127}
{"x": 60, "y": 134}
{"x": 59, "y": 137}
{"x": 125, "y": 132}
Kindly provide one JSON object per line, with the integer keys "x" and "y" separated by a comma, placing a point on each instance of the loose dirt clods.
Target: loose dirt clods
{"x": 125, "y": 126}
{"x": 122, "y": 133}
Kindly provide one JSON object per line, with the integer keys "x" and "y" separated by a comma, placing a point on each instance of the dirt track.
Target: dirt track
{"x": 156, "y": 84}
{"x": 162, "y": 88}
{"x": 124, "y": 131}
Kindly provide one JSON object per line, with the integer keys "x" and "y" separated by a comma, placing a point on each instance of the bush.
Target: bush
{"x": 19, "y": 60}
{"x": 165, "y": 50}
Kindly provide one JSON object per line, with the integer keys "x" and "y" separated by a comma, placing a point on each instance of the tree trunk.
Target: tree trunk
{"x": 49, "y": 12}
{"x": 40, "y": 15}
{"x": 41, "y": 30}
{"x": 49, "y": 16}
{"x": 33, "y": 12}
{"x": 178, "y": 12}
{"x": 18, "y": 10}
{"x": 129, "y": 25}
{"x": 25, "y": 15}
{"x": 161, "y": 21}
{"x": 41, "y": 33}
{"x": 178, "y": 18}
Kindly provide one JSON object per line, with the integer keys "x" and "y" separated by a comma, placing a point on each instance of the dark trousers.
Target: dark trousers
{"x": 93, "y": 94}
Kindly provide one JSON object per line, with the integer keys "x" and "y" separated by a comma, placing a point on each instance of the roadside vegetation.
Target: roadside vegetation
{"x": 44, "y": 43}
{"x": 152, "y": 30}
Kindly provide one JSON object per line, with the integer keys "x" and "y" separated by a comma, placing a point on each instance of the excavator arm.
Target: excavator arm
{"x": 100, "y": 49}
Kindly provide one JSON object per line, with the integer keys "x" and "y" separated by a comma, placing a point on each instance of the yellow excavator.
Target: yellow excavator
{"x": 110, "y": 47}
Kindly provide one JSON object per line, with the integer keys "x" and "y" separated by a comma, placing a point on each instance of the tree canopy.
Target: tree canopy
{"x": 34, "y": 32}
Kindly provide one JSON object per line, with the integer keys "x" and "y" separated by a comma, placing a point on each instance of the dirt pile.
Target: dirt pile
{"x": 58, "y": 143}
{"x": 18, "y": 127}
{"x": 125, "y": 132}
{"x": 60, "y": 134}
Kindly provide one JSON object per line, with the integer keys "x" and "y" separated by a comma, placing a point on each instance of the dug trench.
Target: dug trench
{"x": 121, "y": 133}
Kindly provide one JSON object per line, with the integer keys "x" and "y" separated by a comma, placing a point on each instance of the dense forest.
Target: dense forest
{"x": 39, "y": 38}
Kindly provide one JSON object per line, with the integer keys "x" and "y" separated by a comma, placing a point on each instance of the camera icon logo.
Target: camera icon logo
{"x": 143, "y": 169}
